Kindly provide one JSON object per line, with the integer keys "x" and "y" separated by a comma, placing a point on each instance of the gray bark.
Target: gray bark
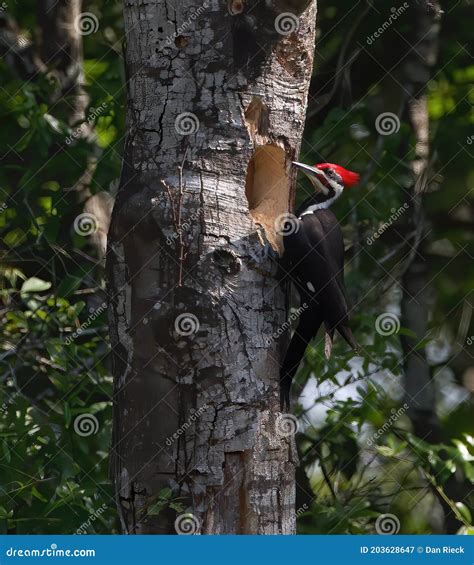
{"x": 216, "y": 109}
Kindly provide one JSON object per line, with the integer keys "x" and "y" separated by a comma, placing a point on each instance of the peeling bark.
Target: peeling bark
{"x": 191, "y": 262}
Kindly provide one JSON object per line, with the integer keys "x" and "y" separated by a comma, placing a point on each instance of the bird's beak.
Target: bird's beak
{"x": 316, "y": 176}
{"x": 307, "y": 169}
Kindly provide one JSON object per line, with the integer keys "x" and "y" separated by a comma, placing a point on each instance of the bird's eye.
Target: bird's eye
{"x": 330, "y": 173}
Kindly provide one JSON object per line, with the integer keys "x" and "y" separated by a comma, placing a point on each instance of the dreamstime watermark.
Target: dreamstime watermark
{"x": 86, "y": 425}
{"x": 387, "y": 324}
{"x": 187, "y": 23}
{"x": 6, "y": 405}
{"x": 387, "y": 524}
{"x": 396, "y": 213}
{"x": 387, "y": 123}
{"x": 85, "y": 224}
{"x": 51, "y": 551}
{"x": 195, "y": 415}
{"x": 301, "y": 510}
{"x": 86, "y": 23}
{"x": 286, "y": 23}
{"x": 395, "y": 14}
{"x": 186, "y": 123}
{"x": 3, "y": 7}
{"x": 93, "y": 316}
{"x": 470, "y": 340}
{"x": 92, "y": 116}
{"x": 184, "y": 227}
{"x": 285, "y": 425}
{"x": 82, "y": 529}
{"x": 286, "y": 325}
{"x": 187, "y": 524}
{"x": 470, "y": 140}
{"x": 395, "y": 415}
{"x": 286, "y": 224}
{"x": 186, "y": 324}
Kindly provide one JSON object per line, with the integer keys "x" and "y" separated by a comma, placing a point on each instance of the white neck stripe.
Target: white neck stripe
{"x": 323, "y": 205}
{"x": 320, "y": 206}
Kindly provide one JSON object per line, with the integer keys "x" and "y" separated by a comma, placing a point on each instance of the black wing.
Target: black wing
{"x": 315, "y": 260}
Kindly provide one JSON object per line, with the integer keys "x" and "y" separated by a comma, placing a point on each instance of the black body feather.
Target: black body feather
{"x": 314, "y": 260}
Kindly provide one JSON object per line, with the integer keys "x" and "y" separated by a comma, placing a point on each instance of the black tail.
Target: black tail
{"x": 308, "y": 327}
{"x": 347, "y": 334}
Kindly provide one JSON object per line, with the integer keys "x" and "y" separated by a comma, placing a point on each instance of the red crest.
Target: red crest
{"x": 349, "y": 178}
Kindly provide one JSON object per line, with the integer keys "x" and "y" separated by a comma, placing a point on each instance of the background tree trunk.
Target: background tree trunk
{"x": 417, "y": 295}
{"x": 216, "y": 109}
{"x": 57, "y": 50}
{"x": 61, "y": 23}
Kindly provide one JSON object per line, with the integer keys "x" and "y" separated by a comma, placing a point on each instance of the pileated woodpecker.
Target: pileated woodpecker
{"x": 314, "y": 259}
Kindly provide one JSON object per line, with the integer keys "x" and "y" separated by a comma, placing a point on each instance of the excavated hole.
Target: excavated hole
{"x": 267, "y": 188}
{"x": 226, "y": 261}
{"x": 235, "y": 7}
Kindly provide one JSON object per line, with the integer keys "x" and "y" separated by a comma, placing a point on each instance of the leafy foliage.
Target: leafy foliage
{"x": 359, "y": 447}
{"x": 54, "y": 340}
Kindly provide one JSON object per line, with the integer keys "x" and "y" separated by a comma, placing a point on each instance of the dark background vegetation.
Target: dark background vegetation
{"x": 54, "y": 479}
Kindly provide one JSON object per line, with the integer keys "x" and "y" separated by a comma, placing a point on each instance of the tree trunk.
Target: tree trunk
{"x": 417, "y": 299}
{"x": 216, "y": 107}
{"x": 417, "y": 294}
{"x": 62, "y": 25}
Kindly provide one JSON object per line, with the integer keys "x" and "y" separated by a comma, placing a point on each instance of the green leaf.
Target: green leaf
{"x": 407, "y": 332}
{"x": 6, "y": 451}
{"x": 68, "y": 285}
{"x": 67, "y": 414}
{"x": 463, "y": 450}
{"x": 464, "y": 511}
{"x": 35, "y": 492}
{"x": 385, "y": 450}
{"x": 165, "y": 493}
{"x": 156, "y": 508}
{"x": 14, "y": 237}
{"x": 34, "y": 284}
